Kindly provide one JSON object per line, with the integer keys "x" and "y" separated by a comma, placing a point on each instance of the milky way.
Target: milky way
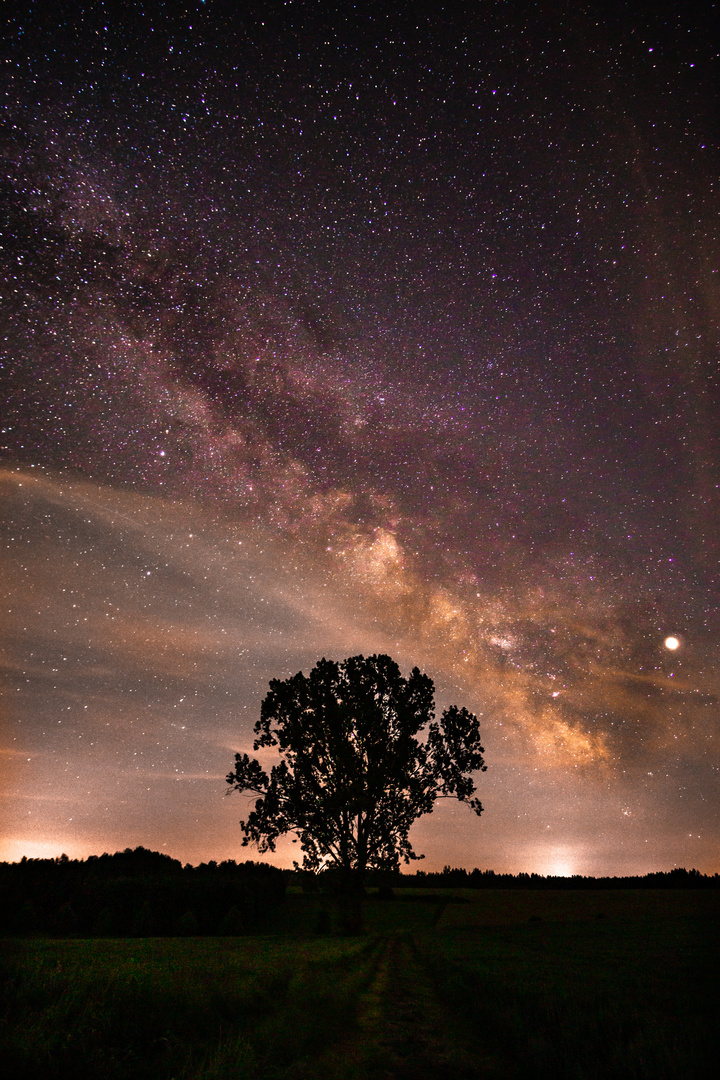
{"x": 326, "y": 334}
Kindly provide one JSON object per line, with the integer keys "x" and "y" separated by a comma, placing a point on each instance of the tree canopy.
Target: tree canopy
{"x": 353, "y": 774}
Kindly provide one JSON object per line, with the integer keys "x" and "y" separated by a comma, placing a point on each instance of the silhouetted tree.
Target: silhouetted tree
{"x": 354, "y": 776}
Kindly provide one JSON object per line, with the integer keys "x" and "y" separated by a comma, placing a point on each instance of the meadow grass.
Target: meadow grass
{"x": 543, "y": 987}
{"x": 571, "y": 985}
{"x": 168, "y": 1007}
{"x": 490, "y": 907}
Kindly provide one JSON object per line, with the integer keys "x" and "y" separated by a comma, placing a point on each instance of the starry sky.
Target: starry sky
{"x": 355, "y": 330}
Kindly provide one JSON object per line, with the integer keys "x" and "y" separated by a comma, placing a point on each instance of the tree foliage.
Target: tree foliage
{"x": 353, "y": 774}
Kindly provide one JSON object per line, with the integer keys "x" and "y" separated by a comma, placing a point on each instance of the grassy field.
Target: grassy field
{"x": 461, "y": 984}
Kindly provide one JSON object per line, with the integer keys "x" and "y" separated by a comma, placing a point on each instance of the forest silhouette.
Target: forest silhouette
{"x": 143, "y": 893}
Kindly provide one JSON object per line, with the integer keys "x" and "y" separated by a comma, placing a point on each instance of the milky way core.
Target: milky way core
{"x": 331, "y": 333}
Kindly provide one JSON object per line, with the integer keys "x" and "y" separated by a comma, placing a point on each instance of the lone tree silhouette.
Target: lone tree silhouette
{"x": 353, "y": 775}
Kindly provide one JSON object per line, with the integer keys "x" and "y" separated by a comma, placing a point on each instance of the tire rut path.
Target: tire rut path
{"x": 408, "y": 1032}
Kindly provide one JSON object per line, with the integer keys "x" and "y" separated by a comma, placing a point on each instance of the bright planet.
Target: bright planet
{"x": 671, "y": 643}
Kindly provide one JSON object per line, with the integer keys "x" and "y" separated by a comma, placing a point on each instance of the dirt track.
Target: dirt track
{"x": 402, "y": 1029}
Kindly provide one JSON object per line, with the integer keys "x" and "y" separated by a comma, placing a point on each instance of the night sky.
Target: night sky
{"x": 325, "y": 334}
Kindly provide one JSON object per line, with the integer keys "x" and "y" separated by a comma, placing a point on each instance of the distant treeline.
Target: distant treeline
{"x": 455, "y": 877}
{"x": 146, "y": 894}
{"x": 135, "y": 892}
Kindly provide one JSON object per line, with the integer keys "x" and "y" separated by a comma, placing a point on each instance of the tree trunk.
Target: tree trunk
{"x": 352, "y": 891}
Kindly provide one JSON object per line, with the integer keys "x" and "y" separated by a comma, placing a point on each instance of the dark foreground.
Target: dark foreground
{"x": 460, "y": 984}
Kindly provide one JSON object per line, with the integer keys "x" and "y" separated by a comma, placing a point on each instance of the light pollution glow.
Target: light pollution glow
{"x": 143, "y": 635}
